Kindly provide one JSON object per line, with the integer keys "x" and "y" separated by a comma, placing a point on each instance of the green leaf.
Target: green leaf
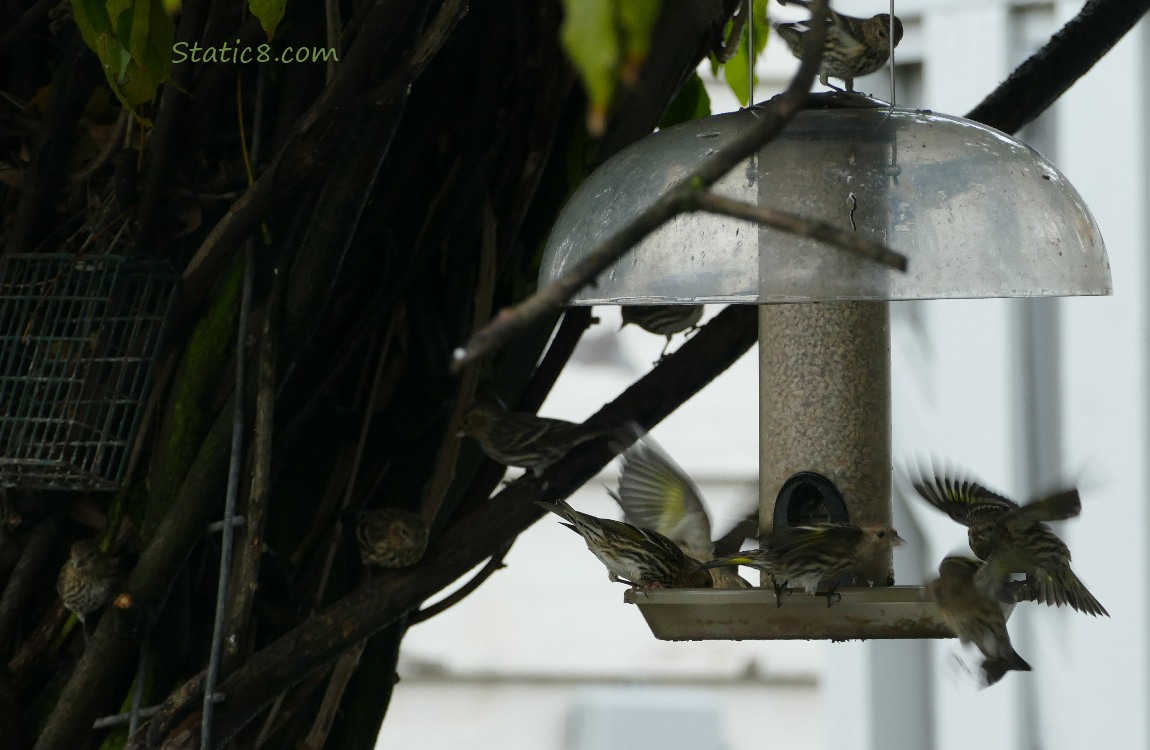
{"x": 637, "y": 21}
{"x": 737, "y": 70}
{"x": 269, "y": 13}
{"x": 691, "y": 103}
{"x": 133, "y": 41}
{"x": 591, "y": 38}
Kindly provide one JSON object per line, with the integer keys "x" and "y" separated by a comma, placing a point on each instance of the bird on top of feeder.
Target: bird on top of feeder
{"x": 805, "y": 556}
{"x": 974, "y": 616}
{"x": 854, "y": 47}
{"x": 524, "y": 440}
{"x": 87, "y": 579}
{"x": 641, "y": 558}
{"x": 656, "y": 494}
{"x": 663, "y": 320}
{"x": 1013, "y": 538}
{"x": 391, "y": 537}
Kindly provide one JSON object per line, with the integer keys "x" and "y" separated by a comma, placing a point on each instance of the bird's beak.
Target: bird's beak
{"x": 897, "y": 541}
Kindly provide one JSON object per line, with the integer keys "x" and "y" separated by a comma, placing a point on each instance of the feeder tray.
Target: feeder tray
{"x": 752, "y": 614}
{"x": 977, "y": 214}
{"x": 78, "y": 340}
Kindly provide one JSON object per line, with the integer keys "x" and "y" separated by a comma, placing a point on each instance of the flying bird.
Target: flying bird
{"x": 1013, "y": 538}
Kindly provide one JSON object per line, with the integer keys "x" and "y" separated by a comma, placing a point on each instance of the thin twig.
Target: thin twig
{"x": 341, "y": 675}
{"x": 803, "y": 227}
{"x": 735, "y": 34}
{"x": 449, "y": 450}
{"x": 514, "y": 320}
{"x": 455, "y": 597}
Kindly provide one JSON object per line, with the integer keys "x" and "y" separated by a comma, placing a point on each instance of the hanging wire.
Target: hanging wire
{"x": 235, "y": 461}
{"x": 138, "y": 696}
{"x": 749, "y": 7}
{"x": 229, "y": 529}
{"x": 893, "y": 170}
{"x": 890, "y": 41}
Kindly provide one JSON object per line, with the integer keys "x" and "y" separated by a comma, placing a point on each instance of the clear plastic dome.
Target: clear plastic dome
{"x": 976, "y": 212}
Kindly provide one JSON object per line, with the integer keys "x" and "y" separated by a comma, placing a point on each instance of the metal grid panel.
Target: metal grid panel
{"x": 78, "y": 340}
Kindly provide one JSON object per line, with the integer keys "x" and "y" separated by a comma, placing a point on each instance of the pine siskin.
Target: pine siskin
{"x": 644, "y": 559}
{"x": 975, "y": 617}
{"x": 87, "y": 578}
{"x": 854, "y": 47}
{"x": 1014, "y": 539}
{"x": 524, "y": 440}
{"x": 663, "y": 320}
{"x": 656, "y": 494}
{"x": 805, "y": 556}
{"x": 391, "y": 538}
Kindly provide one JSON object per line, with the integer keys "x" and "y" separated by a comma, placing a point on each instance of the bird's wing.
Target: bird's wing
{"x": 656, "y": 494}
{"x": 964, "y": 501}
{"x": 792, "y": 541}
{"x": 1056, "y": 507}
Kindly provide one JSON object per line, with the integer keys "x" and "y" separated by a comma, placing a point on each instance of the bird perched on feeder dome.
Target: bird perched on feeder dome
{"x": 854, "y": 47}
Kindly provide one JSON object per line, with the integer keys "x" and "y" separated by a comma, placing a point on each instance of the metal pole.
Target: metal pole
{"x": 824, "y": 405}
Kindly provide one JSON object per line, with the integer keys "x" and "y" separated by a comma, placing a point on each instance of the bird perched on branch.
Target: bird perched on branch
{"x": 805, "y": 556}
{"x": 87, "y": 579}
{"x": 644, "y": 559}
{"x": 663, "y": 320}
{"x": 974, "y": 616}
{"x": 525, "y": 440}
{"x": 390, "y": 537}
{"x": 656, "y": 494}
{"x": 1013, "y": 538}
{"x": 854, "y": 47}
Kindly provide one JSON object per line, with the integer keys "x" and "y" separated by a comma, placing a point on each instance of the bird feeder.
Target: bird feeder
{"x": 977, "y": 214}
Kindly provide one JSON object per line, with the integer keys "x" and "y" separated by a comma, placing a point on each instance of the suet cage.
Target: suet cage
{"x": 976, "y": 212}
{"x": 79, "y": 336}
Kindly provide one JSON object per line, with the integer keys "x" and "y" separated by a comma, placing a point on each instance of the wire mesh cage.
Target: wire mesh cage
{"x": 78, "y": 341}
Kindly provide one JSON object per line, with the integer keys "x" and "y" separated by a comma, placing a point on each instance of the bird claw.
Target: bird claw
{"x": 832, "y": 594}
{"x": 779, "y": 589}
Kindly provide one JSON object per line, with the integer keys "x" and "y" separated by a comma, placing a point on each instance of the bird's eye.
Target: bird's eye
{"x": 881, "y": 534}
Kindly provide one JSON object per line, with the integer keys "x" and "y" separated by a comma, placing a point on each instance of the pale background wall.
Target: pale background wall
{"x": 1023, "y": 393}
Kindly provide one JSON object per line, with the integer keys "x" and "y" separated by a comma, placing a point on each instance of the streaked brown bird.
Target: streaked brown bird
{"x": 391, "y": 538}
{"x": 805, "y": 556}
{"x": 644, "y": 559}
{"x": 854, "y": 47}
{"x": 974, "y": 617}
{"x": 87, "y": 579}
{"x": 1013, "y": 538}
{"x": 656, "y": 494}
{"x": 663, "y": 320}
{"x": 525, "y": 440}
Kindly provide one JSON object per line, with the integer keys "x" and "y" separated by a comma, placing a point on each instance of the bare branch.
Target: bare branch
{"x": 513, "y": 320}
{"x": 819, "y": 230}
{"x": 1049, "y": 72}
{"x": 466, "y": 540}
{"x": 447, "y": 602}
